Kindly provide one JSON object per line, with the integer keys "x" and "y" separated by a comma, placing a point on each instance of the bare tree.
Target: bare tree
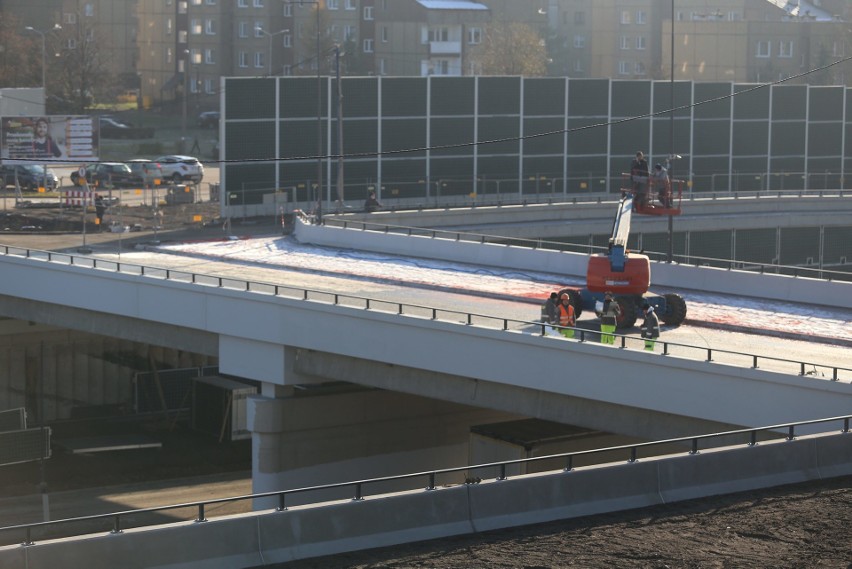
{"x": 308, "y": 44}
{"x": 513, "y": 49}
{"x": 20, "y": 54}
{"x": 78, "y": 68}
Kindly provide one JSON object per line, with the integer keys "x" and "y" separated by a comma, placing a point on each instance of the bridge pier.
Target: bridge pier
{"x": 341, "y": 432}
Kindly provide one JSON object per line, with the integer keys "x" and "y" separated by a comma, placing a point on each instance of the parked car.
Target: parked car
{"x": 148, "y": 171}
{"x": 115, "y": 174}
{"x": 111, "y": 127}
{"x": 181, "y": 168}
{"x": 208, "y": 119}
{"x": 30, "y": 176}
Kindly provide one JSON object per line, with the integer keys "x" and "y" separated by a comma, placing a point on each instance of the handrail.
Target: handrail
{"x": 358, "y": 486}
{"x": 802, "y": 368}
{"x": 689, "y": 260}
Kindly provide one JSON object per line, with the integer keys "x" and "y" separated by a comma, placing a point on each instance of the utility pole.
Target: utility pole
{"x": 339, "y": 130}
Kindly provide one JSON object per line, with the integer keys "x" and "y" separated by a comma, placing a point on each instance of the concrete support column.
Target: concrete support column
{"x": 266, "y": 423}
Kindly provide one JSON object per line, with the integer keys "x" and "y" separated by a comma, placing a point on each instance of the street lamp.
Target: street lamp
{"x": 269, "y": 35}
{"x": 43, "y": 34}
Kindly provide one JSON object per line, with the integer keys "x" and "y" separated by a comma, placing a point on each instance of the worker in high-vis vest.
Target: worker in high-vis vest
{"x": 566, "y": 316}
{"x": 610, "y": 311}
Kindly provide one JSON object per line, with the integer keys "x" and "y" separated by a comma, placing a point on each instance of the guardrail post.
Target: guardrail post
{"x": 752, "y": 439}
{"x": 28, "y": 537}
{"x": 282, "y": 497}
{"x": 200, "y": 518}
{"x": 845, "y": 425}
{"x": 502, "y": 475}
{"x": 431, "y": 485}
{"x": 694, "y": 447}
{"x": 709, "y": 355}
{"x": 116, "y": 524}
{"x": 569, "y": 463}
{"x": 754, "y": 362}
{"x": 632, "y": 455}
{"x": 790, "y": 433}
{"x": 802, "y": 368}
{"x": 358, "y": 494}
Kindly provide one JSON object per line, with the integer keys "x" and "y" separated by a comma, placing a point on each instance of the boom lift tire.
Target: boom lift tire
{"x": 675, "y": 309}
{"x": 628, "y": 312}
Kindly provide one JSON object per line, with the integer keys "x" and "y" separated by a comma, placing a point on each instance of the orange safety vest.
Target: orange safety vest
{"x": 566, "y": 315}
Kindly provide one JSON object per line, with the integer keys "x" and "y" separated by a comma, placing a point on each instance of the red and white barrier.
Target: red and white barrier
{"x": 78, "y": 197}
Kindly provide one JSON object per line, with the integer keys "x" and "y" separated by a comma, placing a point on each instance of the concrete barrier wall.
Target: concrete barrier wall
{"x": 268, "y": 537}
{"x": 573, "y": 265}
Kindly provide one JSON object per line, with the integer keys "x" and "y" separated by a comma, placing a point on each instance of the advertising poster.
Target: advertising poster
{"x": 59, "y": 139}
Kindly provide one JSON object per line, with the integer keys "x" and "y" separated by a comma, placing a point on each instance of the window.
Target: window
{"x": 243, "y": 59}
{"x": 195, "y": 26}
{"x": 734, "y": 16}
{"x": 349, "y": 32}
{"x": 385, "y": 34}
{"x": 195, "y": 56}
{"x": 210, "y": 27}
{"x": 333, "y": 4}
{"x": 244, "y": 30}
{"x": 210, "y": 56}
{"x": 288, "y": 10}
{"x": 368, "y": 45}
{"x": 182, "y": 36}
{"x": 474, "y": 36}
{"x": 624, "y": 68}
{"x": 626, "y": 42}
{"x": 70, "y": 18}
{"x": 208, "y": 83}
{"x": 639, "y": 68}
{"x": 641, "y": 42}
{"x": 368, "y": 12}
{"x": 169, "y": 55}
{"x": 182, "y": 7}
{"x": 211, "y": 2}
{"x": 196, "y": 2}
{"x": 625, "y": 17}
{"x": 578, "y": 66}
{"x": 287, "y": 70}
{"x": 350, "y": 5}
{"x": 258, "y": 59}
{"x": 763, "y": 49}
{"x": 579, "y": 18}
{"x": 785, "y": 48}
{"x": 641, "y": 17}
{"x": 258, "y": 29}
{"x": 258, "y": 3}
{"x": 438, "y": 34}
{"x": 242, "y": 3}
{"x": 579, "y": 42}
{"x": 169, "y": 27}
{"x": 71, "y": 43}
{"x": 287, "y": 40}
{"x": 89, "y": 10}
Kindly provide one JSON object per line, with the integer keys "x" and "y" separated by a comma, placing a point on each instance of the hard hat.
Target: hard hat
{"x": 565, "y": 296}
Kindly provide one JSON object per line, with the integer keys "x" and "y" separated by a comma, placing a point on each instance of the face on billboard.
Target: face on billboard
{"x": 49, "y": 139}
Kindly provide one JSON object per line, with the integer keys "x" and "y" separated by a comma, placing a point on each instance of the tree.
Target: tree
{"x": 20, "y": 54}
{"x": 78, "y": 70}
{"x": 308, "y": 45}
{"x": 513, "y": 49}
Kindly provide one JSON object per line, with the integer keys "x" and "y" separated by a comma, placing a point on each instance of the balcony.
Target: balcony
{"x": 445, "y": 48}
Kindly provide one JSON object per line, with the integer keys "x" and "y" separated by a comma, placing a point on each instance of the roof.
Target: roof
{"x": 451, "y": 5}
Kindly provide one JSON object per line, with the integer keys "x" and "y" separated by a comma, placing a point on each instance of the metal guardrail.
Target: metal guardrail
{"x": 632, "y": 452}
{"x": 754, "y": 361}
{"x": 689, "y": 260}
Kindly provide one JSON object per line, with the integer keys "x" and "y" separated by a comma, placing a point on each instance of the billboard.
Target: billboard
{"x": 72, "y": 139}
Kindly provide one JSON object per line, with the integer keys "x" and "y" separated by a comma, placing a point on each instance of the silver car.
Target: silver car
{"x": 181, "y": 168}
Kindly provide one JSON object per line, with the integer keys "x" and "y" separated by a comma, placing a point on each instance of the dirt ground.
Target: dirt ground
{"x": 800, "y": 526}
{"x": 137, "y": 218}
